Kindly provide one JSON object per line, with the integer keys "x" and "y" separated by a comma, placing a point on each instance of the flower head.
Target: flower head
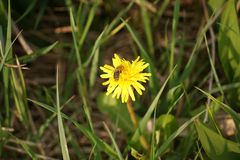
{"x": 123, "y": 76}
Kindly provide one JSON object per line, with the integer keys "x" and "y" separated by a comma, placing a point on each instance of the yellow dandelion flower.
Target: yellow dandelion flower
{"x": 123, "y": 76}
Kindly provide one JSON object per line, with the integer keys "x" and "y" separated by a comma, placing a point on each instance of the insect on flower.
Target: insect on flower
{"x": 124, "y": 77}
{"x": 117, "y": 72}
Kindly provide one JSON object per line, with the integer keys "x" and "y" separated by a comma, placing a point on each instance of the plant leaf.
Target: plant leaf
{"x": 215, "y": 145}
{"x": 228, "y": 41}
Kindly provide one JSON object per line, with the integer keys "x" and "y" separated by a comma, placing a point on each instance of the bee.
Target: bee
{"x": 117, "y": 72}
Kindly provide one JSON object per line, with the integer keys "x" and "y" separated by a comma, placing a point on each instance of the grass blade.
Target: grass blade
{"x": 110, "y": 29}
{"x": 74, "y": 35}
{"x": 20, "y": 95}
{"x": 92, "y": 137}
{"x": 80, "y": 77}
{"x": 147, "y": 27}
{"x": 228, "y": 41}
{"x": 114, "y": 142}
{"x": 62, "y": 136}
{"x": 28, "y": 10}
{"x": 175, "y": 134}
{"x": 160, "y": 11}
{"x": 6, "y": 71}
{"x": 192, "y": 60}
{"x": 43, "y": 6}
{"x": 94, "y": 69}
{"x": 9, "y": 28}
{"x": 144, "y": 120}
{"x": 174, "y": 29}
{"x": 28, "y": 150}
{"x": 95, "y": 47}
{"x": 225, "y": 107}
{"x": 153, "y": 79}
{"x": 38, "y": 53}
{"x": 8, "y": 53}
{"x": 88, "y": 23}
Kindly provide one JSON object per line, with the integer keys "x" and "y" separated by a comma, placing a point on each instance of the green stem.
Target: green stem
{"x": 134, "y": 120}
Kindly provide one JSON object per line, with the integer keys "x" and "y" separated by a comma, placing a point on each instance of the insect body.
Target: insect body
{"x": 117, "y": 72}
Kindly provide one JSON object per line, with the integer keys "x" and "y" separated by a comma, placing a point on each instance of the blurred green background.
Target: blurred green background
{"x": 53, "y": 105}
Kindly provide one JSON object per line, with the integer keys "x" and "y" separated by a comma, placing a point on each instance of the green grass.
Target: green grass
{"x": 53, "y": 105}
{"x": 62, "y": 137}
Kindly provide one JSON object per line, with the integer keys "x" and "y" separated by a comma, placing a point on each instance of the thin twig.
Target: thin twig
{"x": 21, "y": 39}
{"x": 23, "y": 152}
{"x": 7, "y": 129}
{"x": 149, "y": 6}
{"x": 22, "y": 66}
{"x": 238, "y": 5}
{"x": 64, "y": 29}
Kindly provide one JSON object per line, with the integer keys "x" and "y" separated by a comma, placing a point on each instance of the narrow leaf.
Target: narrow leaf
{"x": 62, "y": 136}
